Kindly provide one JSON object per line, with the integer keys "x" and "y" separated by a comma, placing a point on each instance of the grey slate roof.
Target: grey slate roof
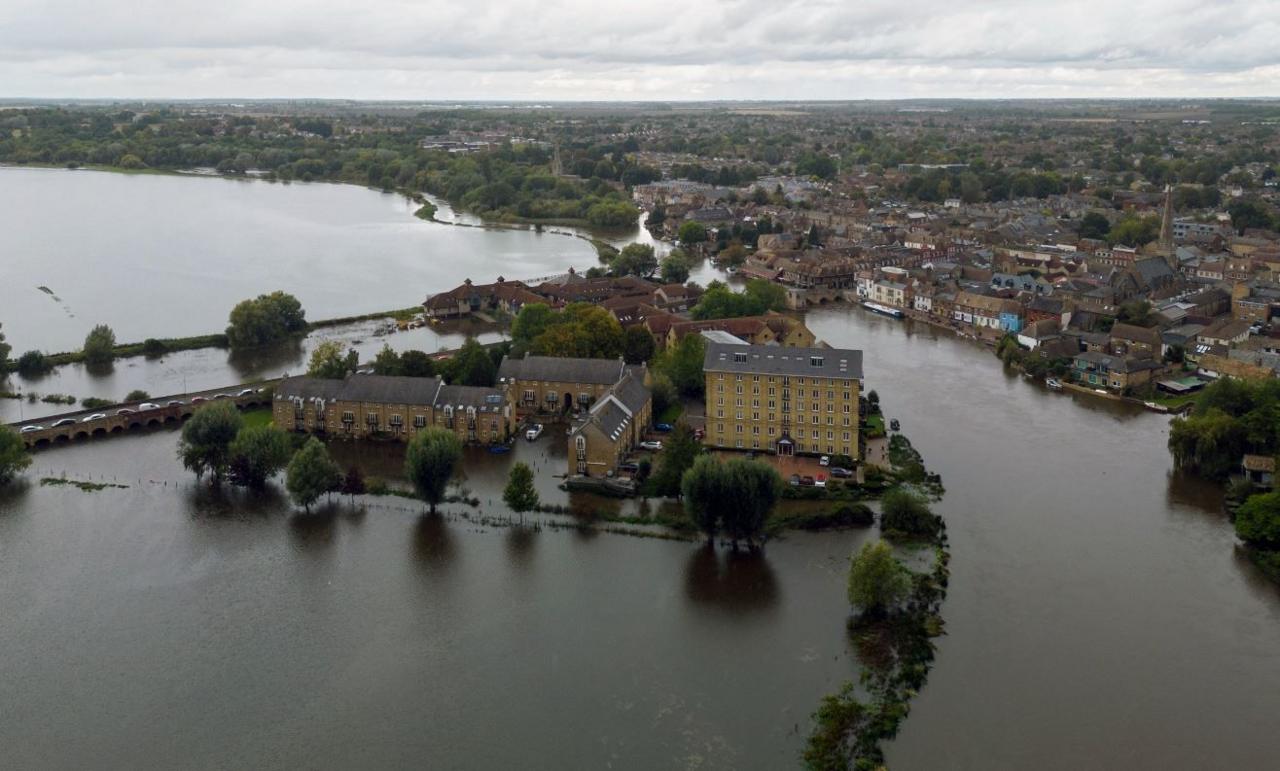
{"x": 551, "y": 368}
{"x": 773, "y": 360}
{"x": 632, "y": 393}
{"x": 461, "y": 397}
{"x": 611, "y": 419}
{"x": 376, "y": 389}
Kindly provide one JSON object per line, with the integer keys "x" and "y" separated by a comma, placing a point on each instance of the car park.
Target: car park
{"x": 652, "y": 444}
{"x": 93, "y": 417}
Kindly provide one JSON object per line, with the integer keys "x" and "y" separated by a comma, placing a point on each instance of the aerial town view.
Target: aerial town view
{"x": 481, "y": 388}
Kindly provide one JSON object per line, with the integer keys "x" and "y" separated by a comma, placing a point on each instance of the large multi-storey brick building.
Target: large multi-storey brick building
{"x": 383, "y": 406}
{"x": 549, "y": 384}
{"x": 784, "y": 400}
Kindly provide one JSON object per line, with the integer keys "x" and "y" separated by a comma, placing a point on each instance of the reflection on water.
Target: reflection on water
{"x": 315, "y": 531}
{"x": 733, "y": 580}
{"x": 434, "y": 548}
{"x": 521, "y": 540}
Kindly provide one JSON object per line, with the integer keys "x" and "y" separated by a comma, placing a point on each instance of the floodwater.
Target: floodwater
{"x": 169, "y": 255}
{"x": 1098, "y": 615}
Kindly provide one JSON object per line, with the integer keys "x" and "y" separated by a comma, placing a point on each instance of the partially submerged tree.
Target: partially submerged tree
{"x": 257, "y": 454}
{"x": 205, "y": 446}
{"x": 328, "y": 361}
{"x": 429, "y": 463}
{"x": 311, "y": 474}
{"x": 13, "y": 455}
{"x": 99, "y": 345}
{"x": 878, "y": 582}
{"x": 520, "y": 494}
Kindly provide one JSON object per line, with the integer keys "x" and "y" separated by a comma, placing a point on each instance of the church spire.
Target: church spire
{"x": 1165, "y": 247}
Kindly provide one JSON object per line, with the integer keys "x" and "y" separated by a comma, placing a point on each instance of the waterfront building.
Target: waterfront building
{"x": 610, "y": 429}
{"x": 390, "y": 407}
{"x": 553, "y": 385}
{"x": 783, "y": 400}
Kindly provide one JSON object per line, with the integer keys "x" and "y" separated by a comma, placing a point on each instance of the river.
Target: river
{"x": 1098, "y": 616}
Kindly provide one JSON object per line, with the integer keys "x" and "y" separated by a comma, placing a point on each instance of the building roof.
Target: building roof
{"x": 460, "y": 397}
{"x": 562, "y": 370}
{"x": 1136, "y": 334}
{"x": 772, "y": 360}
{"x": 374, "y": 389}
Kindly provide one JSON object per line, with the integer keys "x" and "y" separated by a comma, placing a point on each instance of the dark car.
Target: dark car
{"x": 663, "y": 427}
{"x": 806, "y": 481}
{"x": 629, "y": 468}
{"x": 795, "y": 479}
{"x": 840, "y": 473}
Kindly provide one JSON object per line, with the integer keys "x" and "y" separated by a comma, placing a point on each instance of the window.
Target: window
{"x": 755, "y": 416}
{"x": 740, "y": 358}
{"x": 755, "y": 430}
{"x": 815, "y": 420}
{"x": 739, "y": 416}
{"x": 719, "y": 413}
{"x": 396, "y": 420}
{"x": 528, "y": 396}
{"x": 348, "y": 417}
{"x": 371, "y": 418}
{"x": 419, "y": 421}
{"x": 738, "y": 390}
{"x": 846, "y": 436}
{"x": 738, "y": 429}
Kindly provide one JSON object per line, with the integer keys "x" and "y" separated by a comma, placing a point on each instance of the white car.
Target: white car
{"x": 651, "y": 445}
{"x": 247, "y": 392}
{"x": 148, "y": 406}
{"x": 63, "y": 422}
{"x": 824, "y": 461}
{"x": 93, "y": 417}
{"x": 534, "y": 432}
{"x": 29, "y": 429}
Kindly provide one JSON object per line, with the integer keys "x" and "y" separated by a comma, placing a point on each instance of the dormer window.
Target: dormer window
{"x": 815, "y": 361}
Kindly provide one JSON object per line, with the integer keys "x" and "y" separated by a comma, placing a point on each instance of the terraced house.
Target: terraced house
{"x": 610, "y": 429}
{"x": 784, "y": 400}
{"x": 553, "y": 385}
{"x": 390, "y": 407}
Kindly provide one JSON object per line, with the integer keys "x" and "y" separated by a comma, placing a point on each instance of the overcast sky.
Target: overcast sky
{"x": 656, "y": 49}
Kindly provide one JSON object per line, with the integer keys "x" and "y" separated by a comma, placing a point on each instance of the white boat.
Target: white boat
{"x": 1053, "y": 383}
{"x": 882, "y": 309}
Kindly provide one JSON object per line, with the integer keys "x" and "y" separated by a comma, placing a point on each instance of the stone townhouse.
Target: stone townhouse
{"x": 1114, "y": 373}
{"x": 772, "y": 328}
{"x": 555, "y": 386}
{"x": 390, "y": 407}
{"x": 613, "y": 426}
{"x": 1136, "y": 342}
{"x": 783, "y": 400}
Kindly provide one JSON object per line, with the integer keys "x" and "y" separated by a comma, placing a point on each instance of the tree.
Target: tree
{"x": 429, "y": 462}
{"x": 520, "y": 494}
{"x": 878, "y": 582}
{"x": 257, "y": 454}
{"x": 137, "y": 395}
{"x": 473, "y": 366}
{"x": 265, "y": 319}
{"x": 678, "y": 455}
{"x": 33, "y": 363}
{"x": 751, "y": 489}
{"x": 1248, "y": 213}
{"x": 637, "y": 345}
{"x": 353, "y": 482}
{"x": 759, "y": 296}
{"x": 206, "y": 440}
{"x": 532, "y": 320}
{"x": 1094, "y": 225}
{"x": 99, "y": 345}
{"x": 675, "y": 267}
{"x": 5, "y": 348}
{"x": 635, "y": 260}
{"x": 735, "y": 497}
{"x": 1136, "y": 312}
{"x": 311, "y": 473}
{"x": 1258, "y": 521}
{"x": 904, "y": 512}
{"x": 692, "y": 233}
{"x": 700, "y": 487}
{"x": 581, "y": 330}
{"x": 387, "y": 362}
{"x": 682, "y": 364}
{"x": 328, "y": 361}
{"x": 1132, "y": 230}
{"x": 13, "y": 455}
{"x": 417, "y": 364}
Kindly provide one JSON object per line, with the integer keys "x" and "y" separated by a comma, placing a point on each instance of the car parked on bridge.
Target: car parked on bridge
{"x": 222, "y": 396}
{"x": 174, "y": 403}
{"x": 247, "y": 392}
{"x": 198, "y": 399}
{"x": 93, "y": 417}
{"x": 148, "y": 406}
{"x": 126, "y": 411}
{"x": 29, "y": 429}
{"x": 63, "y": 422}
